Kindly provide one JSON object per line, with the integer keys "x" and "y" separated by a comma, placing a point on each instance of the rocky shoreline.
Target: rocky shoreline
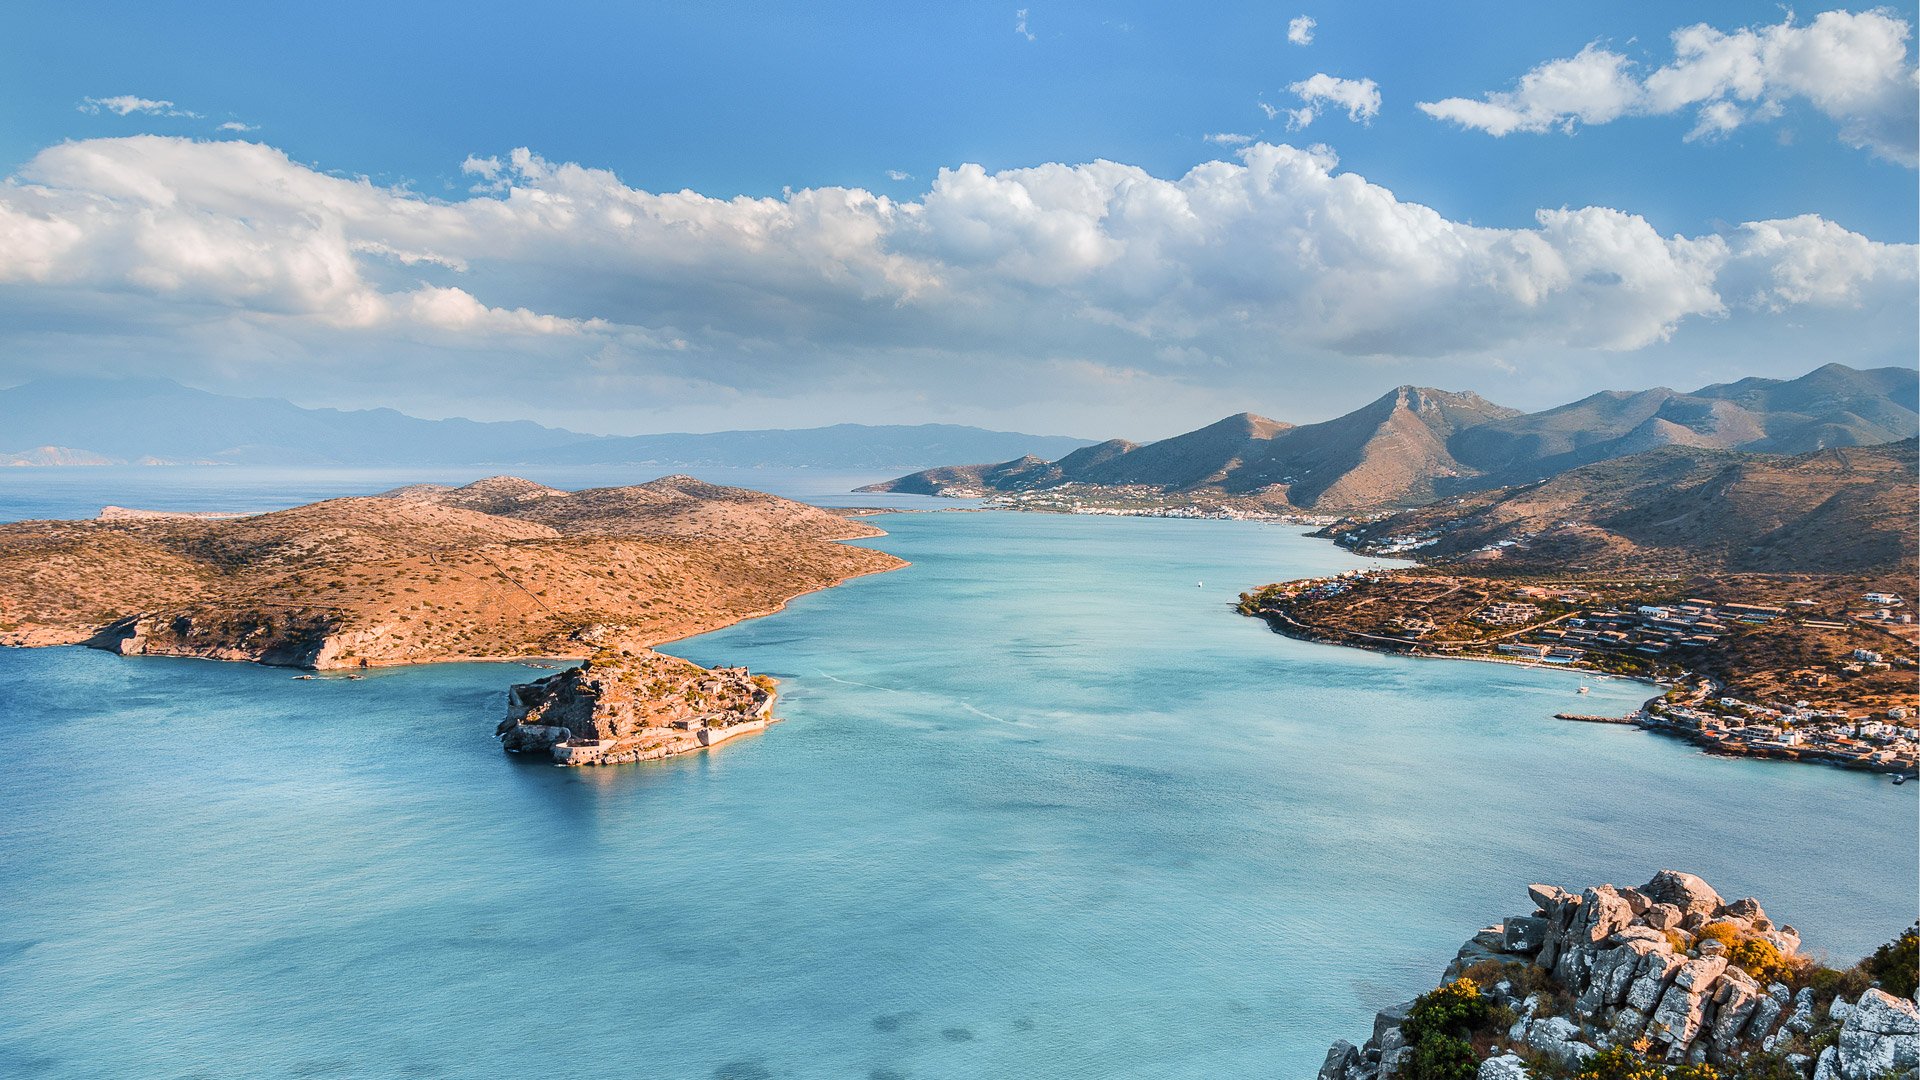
{"x": 622, "y": 706}
{"x": 1615, "y": 983}
{"x": 1646, "y": 717}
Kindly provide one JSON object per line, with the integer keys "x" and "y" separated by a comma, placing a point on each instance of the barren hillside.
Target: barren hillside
{"x": 419, "y": 575}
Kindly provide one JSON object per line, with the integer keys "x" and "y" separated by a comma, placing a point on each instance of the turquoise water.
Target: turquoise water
{"x": 1042, "y": 808}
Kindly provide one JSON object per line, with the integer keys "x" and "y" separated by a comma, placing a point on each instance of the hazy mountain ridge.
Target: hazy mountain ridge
{"x": 87, "y": 421}
{"x": 1414, "y": 445}
{"x": 1830, "y": 406}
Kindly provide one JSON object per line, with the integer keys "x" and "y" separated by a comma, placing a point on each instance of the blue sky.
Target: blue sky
{"x": 754, "y": 100}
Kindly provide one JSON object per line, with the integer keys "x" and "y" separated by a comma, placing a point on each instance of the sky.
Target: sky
{"x": 1094, "y": 219}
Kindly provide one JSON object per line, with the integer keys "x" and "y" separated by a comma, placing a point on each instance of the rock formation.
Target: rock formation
{"x": 1669, "y": 970}
{"x": 626, "y": 706}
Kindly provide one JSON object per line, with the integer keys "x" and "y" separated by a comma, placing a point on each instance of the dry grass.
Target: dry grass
{"x": 420, "y": 577}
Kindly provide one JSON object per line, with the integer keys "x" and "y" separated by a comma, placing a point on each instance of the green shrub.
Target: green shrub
{"x": 1764, "y": 1066}
{"x": 1454, "y": 1009}
{"x": 1618, "y": 1063}
{"x": 1896, "y": 965}
{"x": 1829, "y": 983}
{"x": 1442, "y": 1057}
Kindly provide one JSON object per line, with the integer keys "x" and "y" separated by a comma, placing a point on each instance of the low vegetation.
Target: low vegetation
{"x": 501, "y": 568}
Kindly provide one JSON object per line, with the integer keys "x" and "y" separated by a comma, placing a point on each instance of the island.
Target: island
{"x": 620, "y": 706}
{"x": 1664, "y": 979}
{"x": 500, "y": 569}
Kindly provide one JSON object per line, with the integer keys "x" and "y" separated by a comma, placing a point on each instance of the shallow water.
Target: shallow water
{"x": 1042, "y": 807}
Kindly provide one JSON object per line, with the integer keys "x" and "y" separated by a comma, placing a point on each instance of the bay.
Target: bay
{"x": 1043, "y": 806}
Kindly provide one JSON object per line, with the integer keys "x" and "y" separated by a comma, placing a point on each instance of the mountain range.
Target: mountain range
{"x": 91, "y": 421}
{"x": 1414, "y": 445}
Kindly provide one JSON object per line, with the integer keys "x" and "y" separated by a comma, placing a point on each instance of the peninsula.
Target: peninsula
{"x": 1765, "y": 590}
{"x": 499, "y": 569}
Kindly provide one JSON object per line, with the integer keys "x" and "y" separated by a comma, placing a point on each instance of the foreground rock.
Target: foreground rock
{"x": 633, "y": 706}
{"x": 1630, "y": 981}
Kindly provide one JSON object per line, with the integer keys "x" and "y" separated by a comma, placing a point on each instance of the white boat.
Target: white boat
{"x": 1583, "y": 690}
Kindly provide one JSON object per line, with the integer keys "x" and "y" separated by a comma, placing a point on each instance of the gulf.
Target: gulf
{"x": 1043, "y": 806}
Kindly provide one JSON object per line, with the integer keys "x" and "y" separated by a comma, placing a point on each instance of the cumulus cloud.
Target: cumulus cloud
{"x": 1360, "y": 97}
{"x": 1300, "y": 29}
{"x": 1851, "y": 66}
{"x": 128, "y": 104}
{"x": 564, "y": 269}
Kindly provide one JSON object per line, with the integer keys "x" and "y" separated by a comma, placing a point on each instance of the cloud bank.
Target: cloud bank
{"x": 1089, "y": 274}
{"x": 1852, "y": 67}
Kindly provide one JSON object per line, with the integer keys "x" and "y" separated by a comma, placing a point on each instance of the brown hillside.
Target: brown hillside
{"x": 1832, "y": 511}
{"x": 411, "y": 578}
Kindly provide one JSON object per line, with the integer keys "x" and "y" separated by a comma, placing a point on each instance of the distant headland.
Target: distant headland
{"x": 499, "y": 569}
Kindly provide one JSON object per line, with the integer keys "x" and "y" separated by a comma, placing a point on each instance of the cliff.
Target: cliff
{"x": 624, "y": 706}
{"x": 1667, "y": 979}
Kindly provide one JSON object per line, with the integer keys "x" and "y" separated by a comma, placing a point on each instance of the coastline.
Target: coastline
{"x": 95, "y": 637}
{"x": 1642, "y": 718}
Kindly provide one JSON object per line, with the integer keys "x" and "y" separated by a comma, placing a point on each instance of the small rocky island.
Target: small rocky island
{"x": 1664, "y": 980}
{"x": 501, "y": 569}
{"x": 622, "y": 706}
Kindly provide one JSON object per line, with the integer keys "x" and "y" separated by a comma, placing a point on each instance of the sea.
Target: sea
{"x": 1043, "y": 805}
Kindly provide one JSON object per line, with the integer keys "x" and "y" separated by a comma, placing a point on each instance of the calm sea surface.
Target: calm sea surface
{"x": 1042, "y": 808}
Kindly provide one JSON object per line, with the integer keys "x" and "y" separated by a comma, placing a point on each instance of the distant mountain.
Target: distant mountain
{"x": 845, "y": 446}
{"x": 1390, "y": 452}
{"x": 54, "y": 455}
{"x": 108, "y": 421}
{"x": 1840, "y": 510}
{"x": 1416, "y": 444}
{"x": 1832, "y": 406}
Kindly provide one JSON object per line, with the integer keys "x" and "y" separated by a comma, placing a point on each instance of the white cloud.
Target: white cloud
{"x": 229, "y": 249}
{"x": 1360, "y": 97}
{"x": 1300, "y": 29}
{"x": 1020, "y": 24}
{"x": 897, "y": 175}
{"x": 1809, "y": 260}
{"x": 1229, "y": 138}
{"x": 1852, "y": 67}
{"x": 235, "y": 125}
{"x": 128, "y": 104}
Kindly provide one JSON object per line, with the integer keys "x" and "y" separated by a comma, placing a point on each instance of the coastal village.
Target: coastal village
{"x": 1828, "y": 678}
